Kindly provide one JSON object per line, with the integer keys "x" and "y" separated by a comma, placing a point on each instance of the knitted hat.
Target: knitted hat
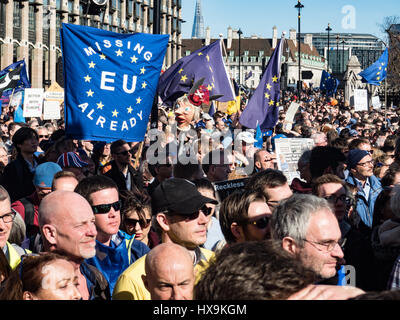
{"x": 44, "y": 174}
{"x": 354, "y": 156}
{"x": 71, "y": 160}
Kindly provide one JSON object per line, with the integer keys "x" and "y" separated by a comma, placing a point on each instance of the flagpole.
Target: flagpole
{"x": 386, "y": 108}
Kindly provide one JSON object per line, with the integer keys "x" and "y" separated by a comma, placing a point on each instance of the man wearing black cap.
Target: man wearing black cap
{"x": 180, "y": 214}
{"x": 360, "y": 165}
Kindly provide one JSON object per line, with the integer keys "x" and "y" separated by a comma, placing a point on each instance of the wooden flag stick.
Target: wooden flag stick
{"x": 137, "y": 155}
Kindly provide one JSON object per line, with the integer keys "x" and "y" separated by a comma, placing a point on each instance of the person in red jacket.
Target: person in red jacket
{"x": 28, "y": 206}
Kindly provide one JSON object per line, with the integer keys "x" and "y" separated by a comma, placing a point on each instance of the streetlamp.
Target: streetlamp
{"x": 337, "y": 54}
{"x": 299, "y": 6}
{"x": 329, "y": 29}
{"x": 240, "y": 53}
{"x": 343, "y": 43}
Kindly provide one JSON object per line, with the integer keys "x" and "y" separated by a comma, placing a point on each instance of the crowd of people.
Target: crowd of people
{"x": 120, "y": 220}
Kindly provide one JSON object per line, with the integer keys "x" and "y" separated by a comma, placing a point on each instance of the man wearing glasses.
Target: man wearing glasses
{"x": 115, "y": 249}
{"x": 120, "y": 169}
{"x": 244, "y": 216}
{"x": 361, "y": 165}
{"x": 180, "y": 215}
{"x": 357, "y": 251}
{"x": 307, "y": 228}
{"x": 7, "y": 216}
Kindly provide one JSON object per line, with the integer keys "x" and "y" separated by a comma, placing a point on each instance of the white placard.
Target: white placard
{"x": 33, "y": 102}
{"x": 360, "y": 100}
{"x": 51, "y": 110}
{"x": 290, "y": 113}
{"x": 288, "y": 152}
{"x": 376, "y": 102}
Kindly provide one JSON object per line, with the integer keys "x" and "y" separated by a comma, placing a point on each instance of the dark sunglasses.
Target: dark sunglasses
{"x": 206, "y": 210}
{"x": 124, "y": 153}
{"x": 105, "y": 208}
{"x": 143, "y": 223}
{"x": 43, "y": 136}
{"x": 261, "y": 223}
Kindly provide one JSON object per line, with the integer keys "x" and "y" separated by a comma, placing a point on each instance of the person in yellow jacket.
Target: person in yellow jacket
{"x": 181, "y": 214}
{"x": 7, "y": 216}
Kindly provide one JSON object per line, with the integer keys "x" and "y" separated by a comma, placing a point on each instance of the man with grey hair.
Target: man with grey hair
{"x": 308, "y": 229}
{"x": 169, "y": 273}
{"x": 67, "y": 224}
{"x": 320, "y": 139}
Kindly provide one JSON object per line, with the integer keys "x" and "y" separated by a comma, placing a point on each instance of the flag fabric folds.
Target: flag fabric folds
{"x": 259, "y": 138}
{"x": 263, "y": 106}
{"x": 328, "y": 84}
{"x": 207, "y": 63}
{"x": 14, "y": 78}
{"x": 110, "y": 82}
{"x": 376, "y": 72}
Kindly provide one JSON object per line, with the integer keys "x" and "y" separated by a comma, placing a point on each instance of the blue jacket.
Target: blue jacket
{"x": 112, "y": 260}
{"x": 365, "y": 209}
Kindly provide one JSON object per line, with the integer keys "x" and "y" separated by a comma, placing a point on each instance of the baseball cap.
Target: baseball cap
{"x": 178, "y": 195}
{"x": 71, "y": 160}
{"x": 354, "y": 156}
{"x": 246, "y": 136}
{"x": 44, "y": 174}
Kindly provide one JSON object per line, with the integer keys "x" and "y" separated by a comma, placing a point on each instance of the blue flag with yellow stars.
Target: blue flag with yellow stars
{"x": 263, "y": 106}
{"x": 207, "y": 63}
{"x": 110, "y": 82}
{"x": 14, "y": 78}
{"x": 376, "y": 72}
{"x": 328, "y": 83}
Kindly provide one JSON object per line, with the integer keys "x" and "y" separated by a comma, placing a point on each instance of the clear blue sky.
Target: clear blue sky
{"x": 257, "y": 17}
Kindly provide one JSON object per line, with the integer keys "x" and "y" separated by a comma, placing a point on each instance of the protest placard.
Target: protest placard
{"x": 225, "y": 188}
{"x": 288, "y": 152}
{"x": 360, "y": 100}
{"x": 291, "y": 112}
{"x": 33, "y": 102}
{"x": 51, "y": 110}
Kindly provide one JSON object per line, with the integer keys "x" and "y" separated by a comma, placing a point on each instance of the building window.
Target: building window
{"x": 187, "y": 53}
{"x": 31, "y": 18}
{"x": 17, "y": 15}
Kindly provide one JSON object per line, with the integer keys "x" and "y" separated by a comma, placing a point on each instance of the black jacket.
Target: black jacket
{"x": 17, "y": 179}
{"x": 115, "y": 174}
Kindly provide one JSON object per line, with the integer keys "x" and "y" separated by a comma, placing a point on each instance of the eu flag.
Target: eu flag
{"x": 328, "y": 83}
{"x": 207, "y": 63}
{"x": 376, "y": 72}
{"x": 110, "y": 81}
{"x": 14, "y": 78}
{"x": 263, "y": 106}
{"x": 259, "y": 137}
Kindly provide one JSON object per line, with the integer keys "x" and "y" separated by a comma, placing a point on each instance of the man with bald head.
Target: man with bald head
{"x": 169, "y": 273}
{"x": 66, "y": 224}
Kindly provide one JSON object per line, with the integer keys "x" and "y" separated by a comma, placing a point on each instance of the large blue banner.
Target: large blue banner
{"x": 110, "y": 81}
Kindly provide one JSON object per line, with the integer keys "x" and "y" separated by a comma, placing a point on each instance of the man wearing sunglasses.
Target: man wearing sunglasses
{"x": 244, "y": 216}
{"x": 180, "y": 215}
{"x": 120, "y": 169}
{"x": 115, "y": 249}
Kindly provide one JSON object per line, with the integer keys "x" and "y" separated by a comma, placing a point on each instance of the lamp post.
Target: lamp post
{"x": 343, "y": 43}
{"x": 240, "y": 54}
{"x": 337, "y": 54}
{"x": 299, "y": 6}
{"x": 329, "y": 29}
